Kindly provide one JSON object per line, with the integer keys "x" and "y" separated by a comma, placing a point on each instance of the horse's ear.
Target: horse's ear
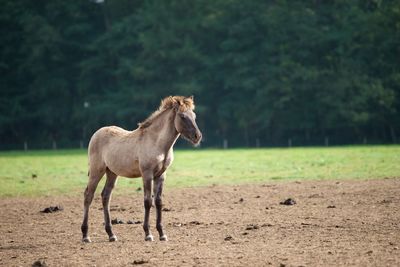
{"x": 191, "y": 97}
{"x": 171, "y": 101}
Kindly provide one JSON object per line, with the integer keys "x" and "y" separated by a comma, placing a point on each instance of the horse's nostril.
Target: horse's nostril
{"x": 197, "y": 136}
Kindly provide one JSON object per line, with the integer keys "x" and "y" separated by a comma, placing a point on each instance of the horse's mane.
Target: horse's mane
{"x": 181, "y": 103}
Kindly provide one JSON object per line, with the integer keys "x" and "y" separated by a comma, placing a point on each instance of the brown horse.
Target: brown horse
{"x": 146, "y": 152}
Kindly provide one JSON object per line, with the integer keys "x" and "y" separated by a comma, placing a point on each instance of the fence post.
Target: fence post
{"x": 81, "y": 144}
{"x": 225, "y": 144}
{"x": 25, "y": 146}
{"x": 54, "y": 145}
{"x": 257, "y": 142}
{"x": 289, "y": 142}
{"x": 326, "y": 141}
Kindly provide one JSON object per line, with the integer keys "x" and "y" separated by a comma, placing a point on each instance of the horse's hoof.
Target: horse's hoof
{"x": 149, "y": 238}
{"x": 163, "y": 238}
{"x": 113, "y": 238}
{"x": 86, "y": 240}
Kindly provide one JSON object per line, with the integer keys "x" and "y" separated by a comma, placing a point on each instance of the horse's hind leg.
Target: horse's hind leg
{"x": 94, "y": 178}
{"x": 106, "y": 196}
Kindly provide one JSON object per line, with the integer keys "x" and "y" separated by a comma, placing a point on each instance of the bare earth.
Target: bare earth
{"x": 333, "y": 223}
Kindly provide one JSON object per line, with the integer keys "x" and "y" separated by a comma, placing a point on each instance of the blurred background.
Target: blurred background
{"x": 263, "y": 72}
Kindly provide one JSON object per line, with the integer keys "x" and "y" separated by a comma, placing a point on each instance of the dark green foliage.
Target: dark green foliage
{"x": 266, "y": 70}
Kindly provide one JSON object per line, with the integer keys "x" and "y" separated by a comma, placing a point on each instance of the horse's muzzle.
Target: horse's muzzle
{"x": 197, "y": 138}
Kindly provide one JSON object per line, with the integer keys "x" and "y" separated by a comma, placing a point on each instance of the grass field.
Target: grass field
{"x": 65, "y": 171}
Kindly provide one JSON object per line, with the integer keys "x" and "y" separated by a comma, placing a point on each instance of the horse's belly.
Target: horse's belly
{"x": 125, "y": 168}
{"x": 131, "y": 174}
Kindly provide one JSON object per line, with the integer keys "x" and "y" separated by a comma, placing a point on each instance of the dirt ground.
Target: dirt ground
{"x": 333, "y": 223}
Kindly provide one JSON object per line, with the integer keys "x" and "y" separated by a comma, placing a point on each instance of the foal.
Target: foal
{"x": 146, "y": 152}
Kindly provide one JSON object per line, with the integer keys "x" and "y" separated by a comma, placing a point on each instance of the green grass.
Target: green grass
{"x": 64, "y": 171}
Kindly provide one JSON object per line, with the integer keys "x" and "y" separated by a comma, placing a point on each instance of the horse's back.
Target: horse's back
{"x": 114, "y": 148}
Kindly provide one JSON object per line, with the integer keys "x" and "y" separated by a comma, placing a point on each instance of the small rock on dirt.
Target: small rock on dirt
{"x": 133, "y": 222}
{"x": 266, "y": 225}
{"x": 52, "y": 209}
{"x": 117, "y": 221}
{"x": 228, "y": 238}
{"x": 252, "y": 227}
{"x": 241, "y": 200}
{"x": 166, "y": 209}
{"x": 39, "y": 263}
{"x": 288, "y": 202}
{"x": 331, "y": 207}
{"x": 137, "y": 262}
{"x": 117, "y": 209}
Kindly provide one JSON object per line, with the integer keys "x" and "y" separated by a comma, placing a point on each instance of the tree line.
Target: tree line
{"x": 262, "y": 72}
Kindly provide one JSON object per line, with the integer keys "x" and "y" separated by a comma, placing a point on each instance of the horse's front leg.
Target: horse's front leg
{"x": 158, "y": 188}
{"x": 148, "y": 200}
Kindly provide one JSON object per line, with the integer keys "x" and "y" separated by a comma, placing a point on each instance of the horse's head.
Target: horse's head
{"x": 185, "y": 120}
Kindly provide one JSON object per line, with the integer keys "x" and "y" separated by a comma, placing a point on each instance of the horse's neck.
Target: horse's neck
{"x": 163, "y": 132}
